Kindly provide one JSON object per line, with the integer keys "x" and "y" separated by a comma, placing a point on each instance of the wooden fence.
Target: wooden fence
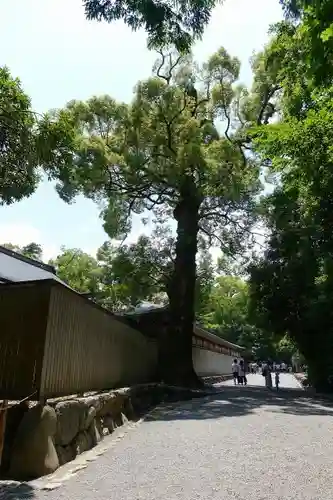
{"x": 23, "y": 324}
{"x": 55, "y": 342}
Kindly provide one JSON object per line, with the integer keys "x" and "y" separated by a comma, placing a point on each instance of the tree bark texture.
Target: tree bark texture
{"x": 175, "y": 349}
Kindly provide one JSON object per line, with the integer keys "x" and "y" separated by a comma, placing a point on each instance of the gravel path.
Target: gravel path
{"x": 244, "y": 444}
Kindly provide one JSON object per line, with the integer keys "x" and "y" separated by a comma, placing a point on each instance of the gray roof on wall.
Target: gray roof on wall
{"x": 197, "y": 329}
{"x": 202, "y": 332}
{"x": 15, "y": 267}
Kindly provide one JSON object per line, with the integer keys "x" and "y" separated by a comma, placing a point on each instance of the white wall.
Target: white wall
{"x": 207, "y": 363}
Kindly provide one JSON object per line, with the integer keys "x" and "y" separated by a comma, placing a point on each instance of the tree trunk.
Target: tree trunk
{"x": 175, "y": 349}
{"x": 319, "y": 360}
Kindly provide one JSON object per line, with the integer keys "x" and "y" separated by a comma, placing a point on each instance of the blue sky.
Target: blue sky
{"x": 59, "y": 56}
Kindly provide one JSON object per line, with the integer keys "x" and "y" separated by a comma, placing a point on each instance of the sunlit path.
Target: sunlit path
{"x": 243, "y": 443}
{"x": 287, "y": 380}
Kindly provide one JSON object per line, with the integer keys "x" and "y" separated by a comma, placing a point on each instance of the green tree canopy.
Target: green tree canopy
{"x": 31, "y": 250}
{"x": 313, "y": 33}
{"x": 135, "y": 272}
{"x": 142, "y": 271}
{"x": 79, "y": 270}
{"x": 229, "y": 315}
{"x": 291, "y": 285}
{"x": 228, "y": 305}
{"x": 167, "y": 23}
{"x": 27, "y": 140}
{"x": 18, "y": 154}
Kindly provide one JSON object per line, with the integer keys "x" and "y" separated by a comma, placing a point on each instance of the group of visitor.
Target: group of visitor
{"x": 254, "y": 367}
{"x": 280, "y": 367}
{"x": 239, "y": 372}
{"x": 266, "y": 371}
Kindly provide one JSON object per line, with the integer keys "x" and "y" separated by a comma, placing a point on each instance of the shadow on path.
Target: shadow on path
{"x": 239, "y": 401}
{"x": 16, "y": 492}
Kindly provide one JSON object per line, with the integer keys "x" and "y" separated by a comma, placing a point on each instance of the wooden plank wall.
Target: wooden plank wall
{"x": 23, "y": 321}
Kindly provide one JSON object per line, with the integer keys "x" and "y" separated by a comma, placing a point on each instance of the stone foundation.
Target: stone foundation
{"x": 49, "y": 436}
{"x": 216, "y": 379}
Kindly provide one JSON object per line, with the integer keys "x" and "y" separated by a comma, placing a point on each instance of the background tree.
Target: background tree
{"x": 18, "y": 162}
{"x": 142, "y": 271}
{"x": 228, "y": 307}
{"x": 291, "y": 286}
{"x": 287, "y": 350}
{"x": 31, "y": 250}
{"x": 314, "y": 35}
{"x": 230, "y": 316}
{"x": 27, "y": 140}
{"x": 163, "y": 153}
{"x": 79, "y": 270}
{"x": 167, "y": 23}
{"x": 138, "y": 271}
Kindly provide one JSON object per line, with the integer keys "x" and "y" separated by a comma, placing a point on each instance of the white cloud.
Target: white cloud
{"x": 23, "y": 234}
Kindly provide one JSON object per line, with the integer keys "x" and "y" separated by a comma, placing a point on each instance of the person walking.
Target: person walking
{"x": 235, "y": 371}
{"x": 241, "y": 373}
{"x": 277, "y": 379}
{"x": 266, "y": 372}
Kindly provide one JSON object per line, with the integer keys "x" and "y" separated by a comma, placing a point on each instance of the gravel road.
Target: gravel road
{"x": 244, "y": 444}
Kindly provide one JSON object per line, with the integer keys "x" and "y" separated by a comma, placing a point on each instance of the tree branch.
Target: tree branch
{"x": 246, "y": 230}
{"x": 169, "y": 136}
{"x": 180, "y": 111}
{"x": 167, "y": 77}
{"x": 267, "y": 96}
{"x": 227, "y": 115}
{"x": 217, "y": 238}
{"x": 158, "y": 72}
{"x": 159, "y": 200}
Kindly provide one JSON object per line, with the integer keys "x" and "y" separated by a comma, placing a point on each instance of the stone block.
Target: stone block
{"x": 99, "y": 425}
{"x": 71, "y": 419}
{"x": 65, "y": 454}
{"x": 109, "y": 423}
{"x": 95, "y": 435}
{"x": 33, "y": 453}
{"x": 91, "y": 414}
{"x": 96, "y": 401}
{"x": 113, "y": 405}
{"x": 83, "y": 442}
